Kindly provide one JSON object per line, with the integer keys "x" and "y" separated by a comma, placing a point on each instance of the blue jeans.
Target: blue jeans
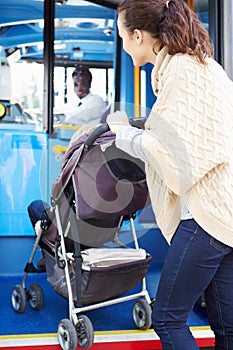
{"x": 195, "y": 262}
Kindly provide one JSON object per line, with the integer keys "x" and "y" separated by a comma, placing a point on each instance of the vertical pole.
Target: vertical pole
{"x": 65, "y": 87}
{"x": 117, "y": 72}
{"x": 107, "y": 85}
{"x": 137, "y": 99}
{"x": 191, "y": 4}
{"x": 49, "y": 9}
{"x": 227, "y": 37}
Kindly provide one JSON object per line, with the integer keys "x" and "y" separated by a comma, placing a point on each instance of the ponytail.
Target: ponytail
{"x": 172, "y": 22}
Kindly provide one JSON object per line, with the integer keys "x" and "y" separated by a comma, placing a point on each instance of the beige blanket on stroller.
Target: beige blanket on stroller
{"x": 104, "y": 257}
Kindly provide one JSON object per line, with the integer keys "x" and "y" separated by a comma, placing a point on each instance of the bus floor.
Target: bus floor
{"x": 114, "y": 318}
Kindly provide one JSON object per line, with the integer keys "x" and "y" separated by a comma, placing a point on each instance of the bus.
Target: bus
{"x": 41, "y": 43}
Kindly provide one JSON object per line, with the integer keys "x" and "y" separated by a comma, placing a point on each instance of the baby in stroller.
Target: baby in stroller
{"x": 38, "y": 213}
{"x": 97, "y": 188}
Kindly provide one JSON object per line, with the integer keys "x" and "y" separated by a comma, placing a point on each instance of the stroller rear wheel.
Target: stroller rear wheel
{"x": 142, "y": 314}
{"x": 18, "y": 298}
{"x": 85, "y": 332}
{"x": 36, "y": 297}
{"x": 67, "y": 335}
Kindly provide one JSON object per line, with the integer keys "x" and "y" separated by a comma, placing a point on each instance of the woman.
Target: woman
{"x": 187, "y": 148}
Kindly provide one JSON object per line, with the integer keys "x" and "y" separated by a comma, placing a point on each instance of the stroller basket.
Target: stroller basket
{"x": 99, "y": 283}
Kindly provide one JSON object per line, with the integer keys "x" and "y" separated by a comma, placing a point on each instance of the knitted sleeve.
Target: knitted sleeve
{"x": 128, "y": 139}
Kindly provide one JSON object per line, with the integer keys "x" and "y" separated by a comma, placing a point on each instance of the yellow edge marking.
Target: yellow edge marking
{"x": 200, "y": 328}
{"x": 124, "y": 332}
{"x": 196, "y": 328}
{"x": 28, "y": 336}
{"x": 65, "y": 126}
{"x": 52, "y": 335}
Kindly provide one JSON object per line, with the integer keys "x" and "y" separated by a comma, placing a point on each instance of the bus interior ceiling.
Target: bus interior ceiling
{"x": 83, "y": 31}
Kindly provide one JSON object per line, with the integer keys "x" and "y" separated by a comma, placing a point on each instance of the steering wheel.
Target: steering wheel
{"x": 2, "y": 110}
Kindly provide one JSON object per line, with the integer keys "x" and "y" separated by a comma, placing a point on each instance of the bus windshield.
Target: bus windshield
{"x": 84, "y": 32}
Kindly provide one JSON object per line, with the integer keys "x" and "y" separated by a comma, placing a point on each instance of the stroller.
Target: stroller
{"x": 99, "y": 187}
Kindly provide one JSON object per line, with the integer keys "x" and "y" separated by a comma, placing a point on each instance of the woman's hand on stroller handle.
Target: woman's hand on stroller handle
{"x": 116, "y": 120}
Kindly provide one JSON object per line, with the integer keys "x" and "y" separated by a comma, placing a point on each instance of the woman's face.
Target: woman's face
{"x": 130, "y": 44}
{"x": 139, "y": 45}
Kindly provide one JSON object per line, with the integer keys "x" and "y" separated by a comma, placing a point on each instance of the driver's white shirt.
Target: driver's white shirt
{"x": 85, "y": 111}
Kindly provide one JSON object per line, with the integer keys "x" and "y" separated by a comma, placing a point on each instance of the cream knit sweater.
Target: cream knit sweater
{"x": 188, "y": 141}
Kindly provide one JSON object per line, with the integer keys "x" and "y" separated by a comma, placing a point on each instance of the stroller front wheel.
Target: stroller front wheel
{"x": 67, "y": 335}
{"x": 85, "y": 332}
{"x": 18, "y": 298}
{"x": 142, "y": 314}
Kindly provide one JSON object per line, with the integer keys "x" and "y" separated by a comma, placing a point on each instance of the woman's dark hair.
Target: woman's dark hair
{"x": 82, "y": 70}
{"x": 172, "y": 22}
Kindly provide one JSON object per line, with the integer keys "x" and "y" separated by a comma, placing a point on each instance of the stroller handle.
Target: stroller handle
{"x": 101, "y": 129}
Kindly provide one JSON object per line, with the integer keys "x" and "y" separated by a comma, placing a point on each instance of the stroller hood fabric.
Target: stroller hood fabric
{"x": 103, "y": 181}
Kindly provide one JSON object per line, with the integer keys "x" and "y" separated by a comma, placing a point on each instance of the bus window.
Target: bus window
{"x": 83, "y": 33}
{"x": 64, "y": 89}
{"x": 201, "y": 9}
